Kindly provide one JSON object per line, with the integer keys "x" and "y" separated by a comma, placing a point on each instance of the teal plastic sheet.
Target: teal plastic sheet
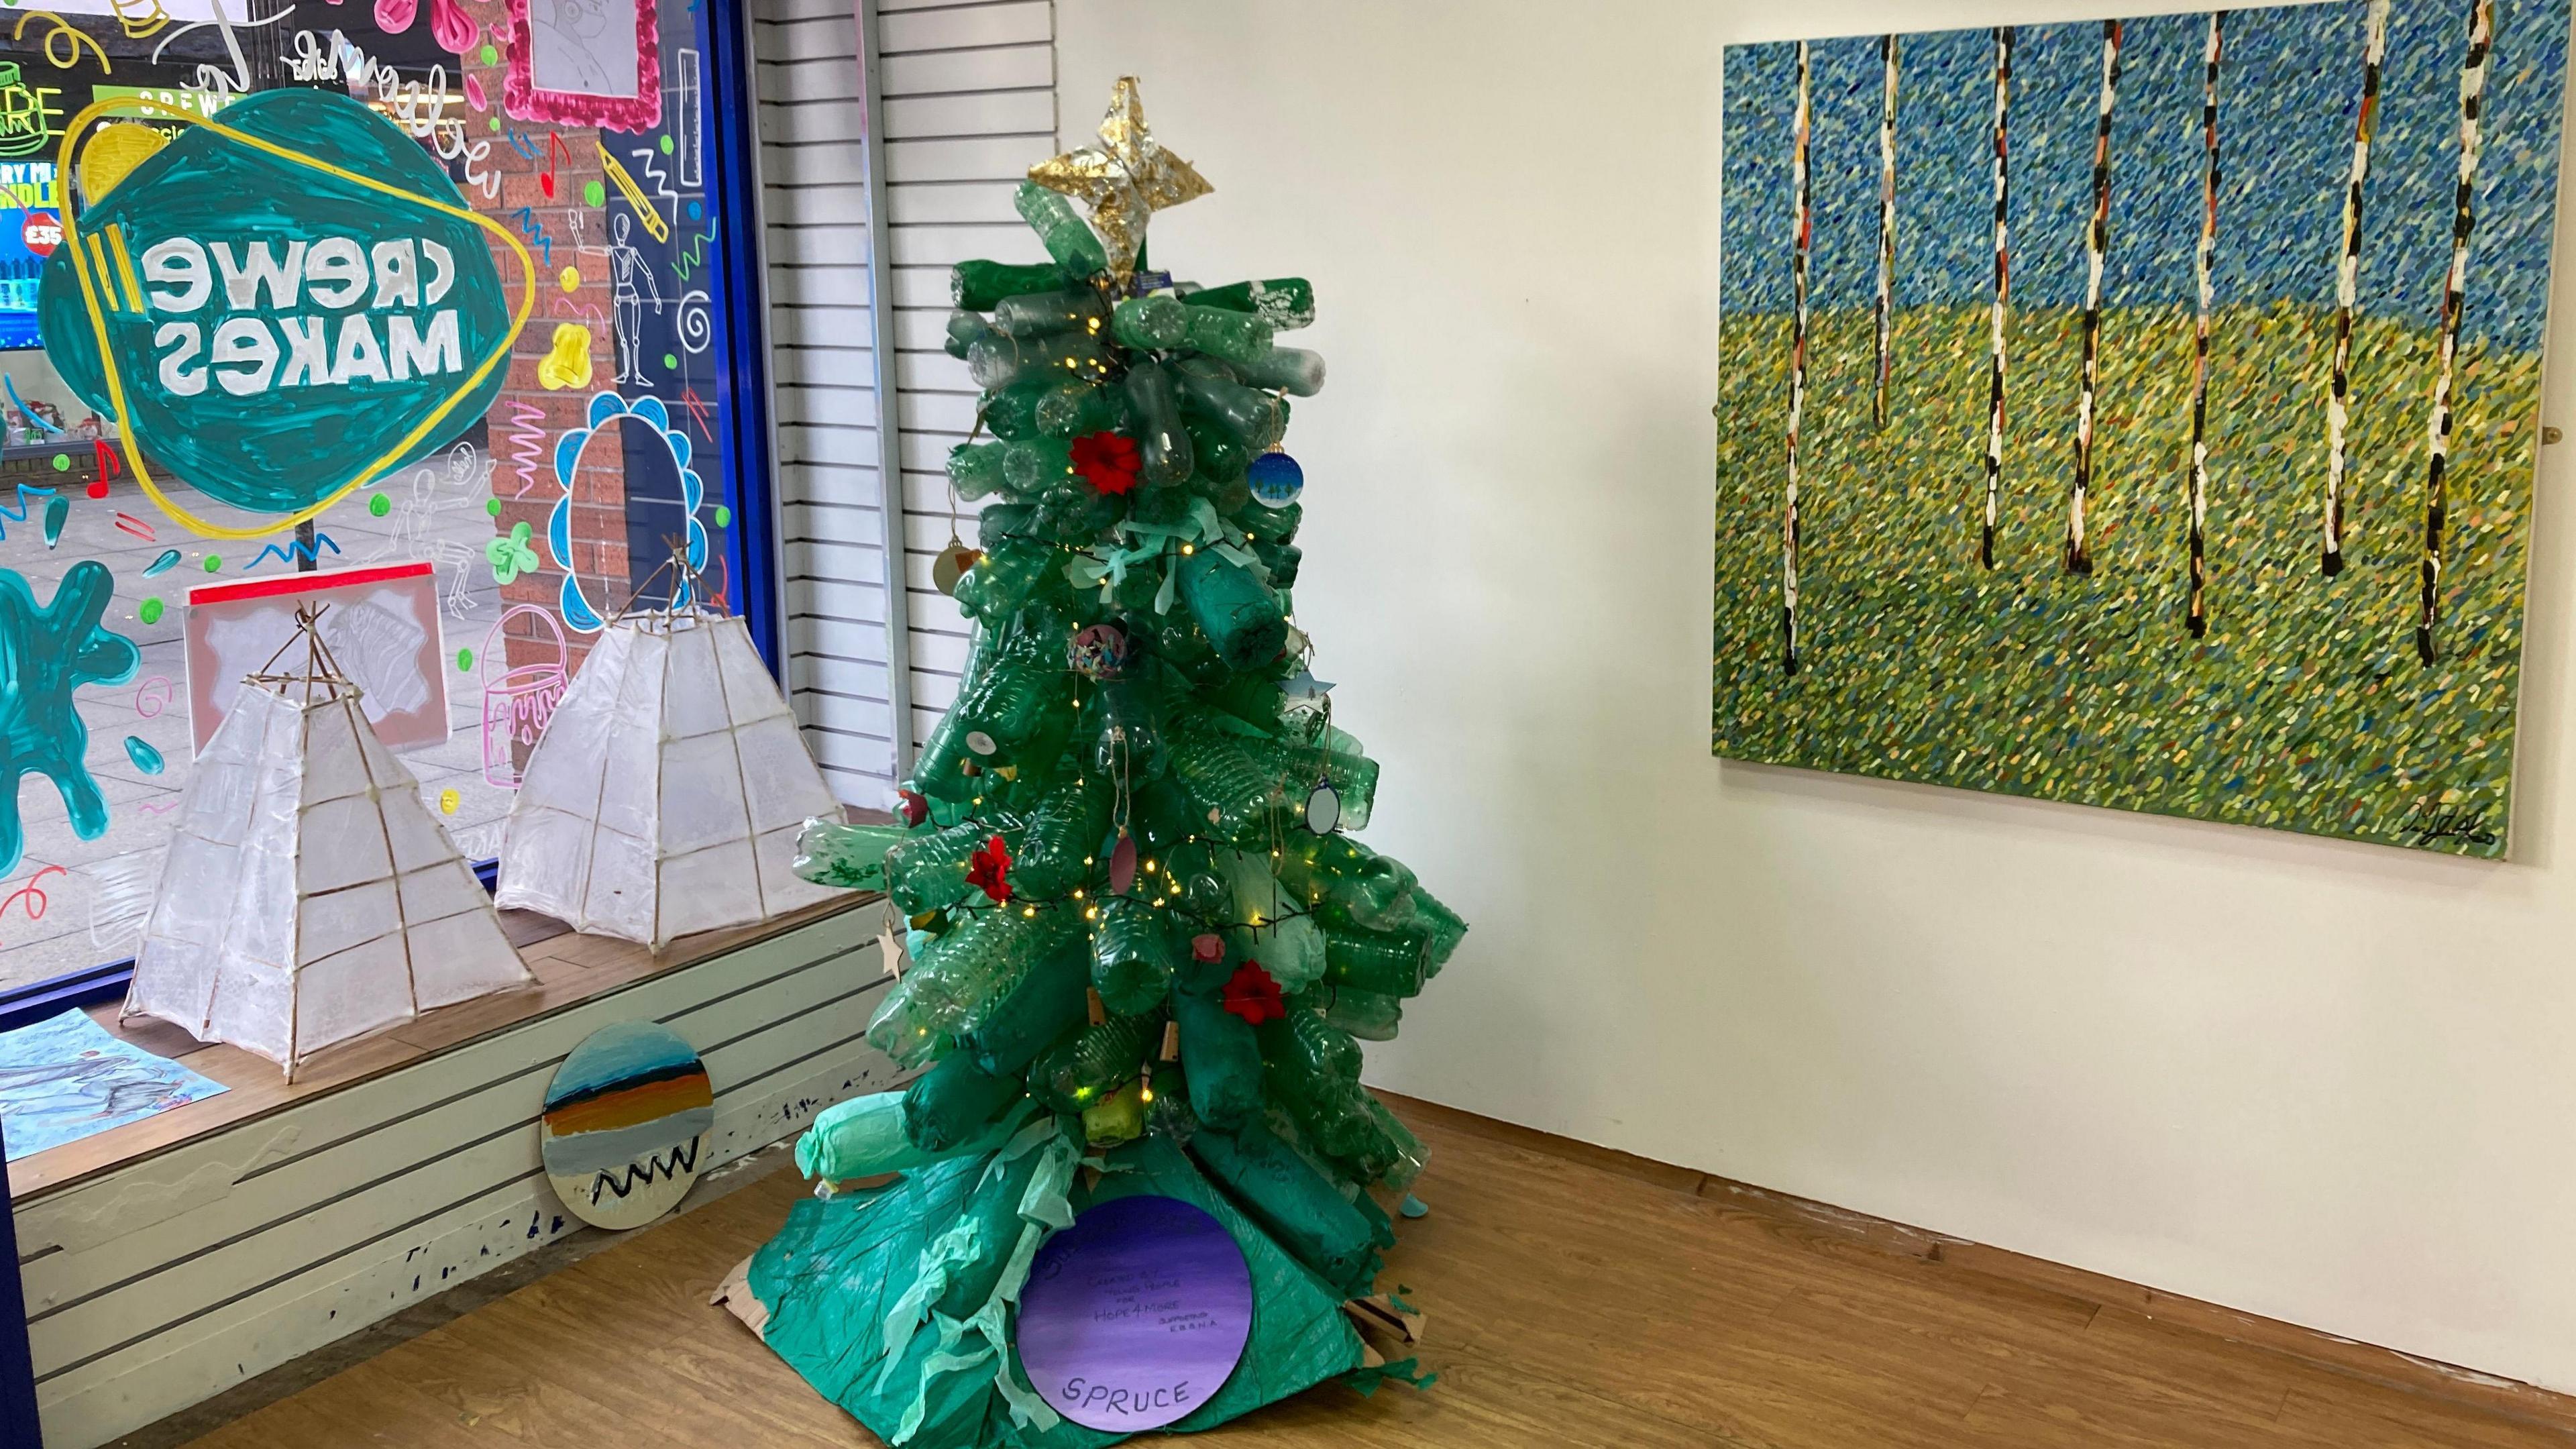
{"x": 855, "y": 1289}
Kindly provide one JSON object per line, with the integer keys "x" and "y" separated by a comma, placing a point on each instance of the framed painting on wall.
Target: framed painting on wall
{"x": 2142, "y": 413}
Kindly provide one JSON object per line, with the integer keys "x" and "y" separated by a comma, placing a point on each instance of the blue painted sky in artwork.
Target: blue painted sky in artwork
{"x": 2288, "y": 93}
{"x": 624, "y": 1052}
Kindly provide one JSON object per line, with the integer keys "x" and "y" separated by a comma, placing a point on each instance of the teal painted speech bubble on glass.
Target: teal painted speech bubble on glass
{"x": 282, "y": 304}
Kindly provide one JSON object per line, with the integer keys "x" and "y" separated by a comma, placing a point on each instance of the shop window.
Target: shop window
{"x": 551, "y": 497}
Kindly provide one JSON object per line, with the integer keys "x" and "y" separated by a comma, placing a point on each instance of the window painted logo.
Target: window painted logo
{"x": 279, "y": 305}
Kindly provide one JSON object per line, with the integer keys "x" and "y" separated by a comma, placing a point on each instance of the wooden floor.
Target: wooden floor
{"x": 1571, "y": 1303}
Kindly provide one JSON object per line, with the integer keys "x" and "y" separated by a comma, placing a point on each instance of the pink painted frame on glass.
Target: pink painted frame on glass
{"x": 641, "y": 111}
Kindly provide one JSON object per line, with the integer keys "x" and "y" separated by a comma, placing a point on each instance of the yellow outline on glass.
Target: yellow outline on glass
{"x": 107, "y": 354}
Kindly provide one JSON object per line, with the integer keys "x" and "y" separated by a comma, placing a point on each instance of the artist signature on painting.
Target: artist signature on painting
{"x": 2431, "y": 820}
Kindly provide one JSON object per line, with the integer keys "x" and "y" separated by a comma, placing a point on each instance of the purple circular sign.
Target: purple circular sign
{"x": 1135, "y": 1315}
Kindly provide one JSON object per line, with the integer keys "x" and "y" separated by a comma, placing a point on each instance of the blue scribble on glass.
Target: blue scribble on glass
{"x": 46, "y": 654}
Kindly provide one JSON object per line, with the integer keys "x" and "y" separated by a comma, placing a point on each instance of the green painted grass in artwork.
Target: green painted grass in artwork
{"x": 2303, "y": 709}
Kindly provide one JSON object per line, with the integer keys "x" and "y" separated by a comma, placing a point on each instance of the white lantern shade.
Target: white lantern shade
{"x": 666, "y": 794}
{"x": 308, "y": 898}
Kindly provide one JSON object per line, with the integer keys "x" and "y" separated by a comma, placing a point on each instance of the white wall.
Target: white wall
{"x": 2326, "y": 1082}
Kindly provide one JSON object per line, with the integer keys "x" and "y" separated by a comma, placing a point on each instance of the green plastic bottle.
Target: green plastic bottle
{"x": 1033, "y": 313}
{"x": 1039, "y": 1007}
{"x": 979, "y": 286}
{"x": 1055, "y": 848}
{"x": 1294, "y": 1203}
{"x": 1236, "y": 612}
{"x": 1255, "y": 420}
{"x": 1442, "y": 927}
{"x": 952, "y": 1103}
{"x": 1151, "y": 324}
{"x": 1220, "y": 458}
{"x": 1348, "y": 884}
{"x": 1162, "y": 443}
{"x": 1067, "y": 237}
{"x": 1388, "y": 963}
{"x": 1089, "y": 1063}
{"x": 1074, "y": 409}
{"x": 965, "y": 329}
{"x": 1366, "y": 1015}
{"x": 999, "y": 362}
{"x": 1292, "y": 370}
{"x": 928, "y": 872}
{"x": 1131, "y": 956}
{"x": 1033, "y": 465}
{"x": 1286, "y": 303}
{"x": 1230, "y": 798}
{"x": 975, "y": 469}
{"x": 849, "y": 856}
{"x": 1006, "y": 578}
{"x": 1233, "y": 336}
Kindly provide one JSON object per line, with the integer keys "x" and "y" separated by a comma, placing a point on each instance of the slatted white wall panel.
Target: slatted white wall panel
{"x": 968, "y": 95}
{"x": 823, "y": 365}
{"x": 170, "y": 1280}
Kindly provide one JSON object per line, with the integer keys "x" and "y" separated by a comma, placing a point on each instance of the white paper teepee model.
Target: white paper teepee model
{"x": 308, "y": 897}
{"x": 666, "y": 794}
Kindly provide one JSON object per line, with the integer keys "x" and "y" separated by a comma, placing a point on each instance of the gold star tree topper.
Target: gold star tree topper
{"x": 1124, "y": 180}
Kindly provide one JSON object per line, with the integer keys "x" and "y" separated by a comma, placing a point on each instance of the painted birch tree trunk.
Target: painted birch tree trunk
{"x": 1886, "y": 230}
{"x": 2473, "y": 85}
{"x": 2001, "y": 312}
{"x": 1797, "y": 372}
{"x": 2374, "y": 48}
{"x": 2204, "y": 260}
{"x": 2097, "y": 241}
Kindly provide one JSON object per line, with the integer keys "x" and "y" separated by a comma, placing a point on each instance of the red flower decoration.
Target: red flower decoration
{"x": 1107, "y": 461}
{"x": 1251, "y": 994}
{"x": 989, "y": 870}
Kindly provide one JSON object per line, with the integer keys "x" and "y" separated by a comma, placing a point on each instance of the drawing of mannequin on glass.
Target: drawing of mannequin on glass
{"x": 627, "y": 268}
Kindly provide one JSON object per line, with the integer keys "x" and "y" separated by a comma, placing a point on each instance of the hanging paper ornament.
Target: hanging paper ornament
{"x": 1122, "y": 864}
{"x": 1099, "y": 652}
{"x": 913, "y": 806}
{"x": 1276, "y": 479}
{"x": 1323, "y": 808}
{"x": 952, "y": 564}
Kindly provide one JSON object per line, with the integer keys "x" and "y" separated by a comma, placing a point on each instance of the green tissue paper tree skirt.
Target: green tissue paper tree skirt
{"x": 1145, "y": 947}
{"x": 844, "y": 1266}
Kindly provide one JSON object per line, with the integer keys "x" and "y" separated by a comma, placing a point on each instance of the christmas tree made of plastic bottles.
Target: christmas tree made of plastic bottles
{"x": 1141, "y": 935}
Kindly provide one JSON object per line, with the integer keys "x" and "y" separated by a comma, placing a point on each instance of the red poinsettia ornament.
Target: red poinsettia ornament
{"x": 1107, "y": 461}
{"x": 1251, "y": 994}
{"x": 989, "y": 870}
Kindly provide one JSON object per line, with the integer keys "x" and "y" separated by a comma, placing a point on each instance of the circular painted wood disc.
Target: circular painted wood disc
{"x": 626, "y": 1123}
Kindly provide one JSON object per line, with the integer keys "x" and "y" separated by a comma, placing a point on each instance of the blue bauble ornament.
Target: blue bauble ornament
{"x": 1276, "y": 479}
